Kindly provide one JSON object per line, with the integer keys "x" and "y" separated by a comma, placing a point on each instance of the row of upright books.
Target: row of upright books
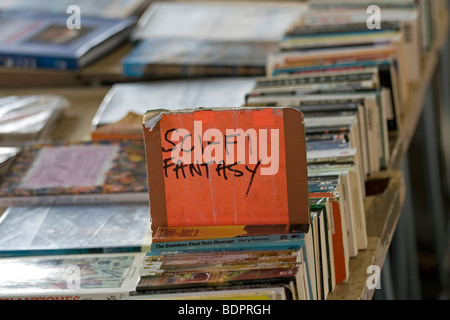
{"x": 157, "y": 210}
{"x": 350, "y": 82}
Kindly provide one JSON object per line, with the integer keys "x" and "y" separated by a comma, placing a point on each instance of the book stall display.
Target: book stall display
{"x": 192, "y": 150}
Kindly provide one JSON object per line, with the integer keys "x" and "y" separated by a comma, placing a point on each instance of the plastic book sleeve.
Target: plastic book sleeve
{"x": 73, "y": 227}
{"x": 7, "y": 153}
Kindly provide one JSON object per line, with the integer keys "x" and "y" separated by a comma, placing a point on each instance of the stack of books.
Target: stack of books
{"x": 202, "y": 39}
{"x": 68, "y": 35}
{"x": 76, "y": 224}
{"x": 28, "y": 118}
{"x": 236, "y": 188}
{"x": 229, "y": 209}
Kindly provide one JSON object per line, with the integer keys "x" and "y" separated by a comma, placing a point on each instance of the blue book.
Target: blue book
{"x": 273, "y": 240}
{"x": 40, "y": 40}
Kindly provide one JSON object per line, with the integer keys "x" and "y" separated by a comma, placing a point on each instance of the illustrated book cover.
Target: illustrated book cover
{"x": 59, "y": 173}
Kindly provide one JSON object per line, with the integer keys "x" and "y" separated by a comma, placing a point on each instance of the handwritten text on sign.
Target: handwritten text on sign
{"x": 225, "y": 160}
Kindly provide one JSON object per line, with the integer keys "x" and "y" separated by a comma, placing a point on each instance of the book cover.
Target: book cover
{"x": 41, "y": 40}
{"x": 339, "y": 234}
{"x": 69, "y": 277}
{"x": 212, "y": 278}
{"x": 180, "y": 58}
{"x": 224, "y": 21}
{"x": 89, "y": 172}
{"x": 263, "y": 293}
{"x": 253, "y": 172}
{"x": 57, "y": 230}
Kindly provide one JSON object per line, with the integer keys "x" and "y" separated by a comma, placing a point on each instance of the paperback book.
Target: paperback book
{"x": 43, "y": 40}
{"x": 114, "y": 9}
{"x": 69, "y": 277}
{"x": 7, "y": 157}
{"x": 29, "y": 117}
{"x": 193, "y": 58}
{"x": 59, "y": 173}
{"x": 223, "y": 21}
{"x": 139, "y": 97}
{"x": 81, "y": 229}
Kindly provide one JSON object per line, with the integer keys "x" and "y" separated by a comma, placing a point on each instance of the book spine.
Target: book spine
{"x": 237, "y": 242}
{"x": 293, "y": 70}
{"x": 30, "y": 62}
{"x": 170, "y": 234}
{"x": 157, "y": 269}
{"x": 204, "y": 251}
{"x": 50, "y": 200}
{"x": 157, "y": 71}
{"x": 50, "y": 252}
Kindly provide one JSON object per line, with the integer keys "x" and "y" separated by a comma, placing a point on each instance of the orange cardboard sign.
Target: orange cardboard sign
{"x": 227, "y": 167}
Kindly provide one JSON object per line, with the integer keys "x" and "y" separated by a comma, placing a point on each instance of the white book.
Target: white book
{"x": 171, "y": 94}
{"x": 219, "y": 21}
